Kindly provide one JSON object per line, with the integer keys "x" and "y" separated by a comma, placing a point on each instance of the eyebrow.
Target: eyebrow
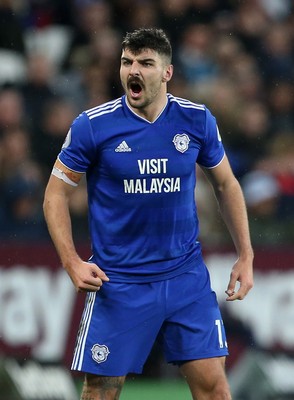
{"x": 140, "y": 60}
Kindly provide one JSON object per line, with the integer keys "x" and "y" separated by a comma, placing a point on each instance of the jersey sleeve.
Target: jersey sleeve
{"x": 78, "y": 150}
{"x": 212, "y": 151}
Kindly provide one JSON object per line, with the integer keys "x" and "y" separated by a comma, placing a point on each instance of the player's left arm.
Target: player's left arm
{"x": 233, "y": 210}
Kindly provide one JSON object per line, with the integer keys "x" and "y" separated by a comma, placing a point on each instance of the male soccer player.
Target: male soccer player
{"x": 146, "y": 277}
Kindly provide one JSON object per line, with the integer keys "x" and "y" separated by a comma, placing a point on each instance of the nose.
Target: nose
{"x": 134, "y": 70}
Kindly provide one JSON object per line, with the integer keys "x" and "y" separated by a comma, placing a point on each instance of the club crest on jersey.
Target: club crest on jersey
{"x": 100, "y": 353}
{"x": 181, "y": 142}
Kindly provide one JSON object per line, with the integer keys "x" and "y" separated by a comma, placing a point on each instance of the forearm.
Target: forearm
{"x": 57, "y": 215}
{"x": 86, "y": 276}
{"x": 233, "y": 210}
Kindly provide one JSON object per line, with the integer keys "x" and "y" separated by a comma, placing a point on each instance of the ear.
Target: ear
{"x": 168, "y": 73}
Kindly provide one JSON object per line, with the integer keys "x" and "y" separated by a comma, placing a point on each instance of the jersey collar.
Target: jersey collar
{"x": 142, "y": 118}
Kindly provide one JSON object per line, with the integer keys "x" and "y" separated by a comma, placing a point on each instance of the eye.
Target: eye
{"x": 126, "y": 62}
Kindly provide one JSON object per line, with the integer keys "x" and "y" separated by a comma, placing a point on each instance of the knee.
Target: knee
{"x": 218, "y": 390}
{"x": 221, "y": 391}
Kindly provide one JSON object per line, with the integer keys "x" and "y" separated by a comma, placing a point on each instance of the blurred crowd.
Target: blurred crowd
{"x": 58, "y": 58}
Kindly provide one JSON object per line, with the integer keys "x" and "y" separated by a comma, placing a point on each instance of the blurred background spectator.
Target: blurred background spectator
{"x": 59, "y": 58}
{"x": 12, "y": 111}
{"x": 22, "y": 187}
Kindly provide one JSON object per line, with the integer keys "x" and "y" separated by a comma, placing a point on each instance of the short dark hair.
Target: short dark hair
{"x": 148, "y": 38}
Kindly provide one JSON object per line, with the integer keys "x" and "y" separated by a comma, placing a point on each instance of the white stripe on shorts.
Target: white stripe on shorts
{"x": 83, "y": 332}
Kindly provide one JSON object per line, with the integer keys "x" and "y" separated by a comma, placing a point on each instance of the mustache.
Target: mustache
{"x": 135, "y": 81}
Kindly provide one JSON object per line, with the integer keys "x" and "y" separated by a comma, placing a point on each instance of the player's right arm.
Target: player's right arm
{"x": 85, "y": 276}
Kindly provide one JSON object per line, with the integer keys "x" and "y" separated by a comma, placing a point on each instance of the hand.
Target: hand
{"x": 242, "y": 272}
{"x": 86, "y": 276}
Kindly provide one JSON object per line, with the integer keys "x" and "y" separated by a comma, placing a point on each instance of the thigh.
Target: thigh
{"x": 207, "y": 379}
{"x": 118, "y": 328}
{"x": 194, "y": 329}
{"x": 102, "y": 387}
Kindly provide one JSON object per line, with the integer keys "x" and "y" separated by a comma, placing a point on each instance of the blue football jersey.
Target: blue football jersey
{"x": 141, "y": 181}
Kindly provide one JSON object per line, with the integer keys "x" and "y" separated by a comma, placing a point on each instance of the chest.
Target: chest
{"x": 153, "y": 150}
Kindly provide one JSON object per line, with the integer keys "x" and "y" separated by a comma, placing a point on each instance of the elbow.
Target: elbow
{"x": 227, "y": 186}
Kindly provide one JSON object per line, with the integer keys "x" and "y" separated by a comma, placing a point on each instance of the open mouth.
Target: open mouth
{"x": 135, "y": 89}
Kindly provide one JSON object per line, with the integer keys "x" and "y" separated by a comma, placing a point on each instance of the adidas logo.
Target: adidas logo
{"x": 123, "y": 147}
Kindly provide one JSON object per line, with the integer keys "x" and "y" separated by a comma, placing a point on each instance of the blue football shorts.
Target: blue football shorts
{"x": 121, "y": 322}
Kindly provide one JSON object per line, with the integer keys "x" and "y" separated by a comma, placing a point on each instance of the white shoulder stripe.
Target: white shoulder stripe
{"x": 194, "y": 106}
{"x": 104, "y": 107}
{"x": 98, "y": 113}
{"x": 186, "y": 103}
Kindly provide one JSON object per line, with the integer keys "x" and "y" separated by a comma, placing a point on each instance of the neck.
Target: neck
{"x": 151, "y": 111}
